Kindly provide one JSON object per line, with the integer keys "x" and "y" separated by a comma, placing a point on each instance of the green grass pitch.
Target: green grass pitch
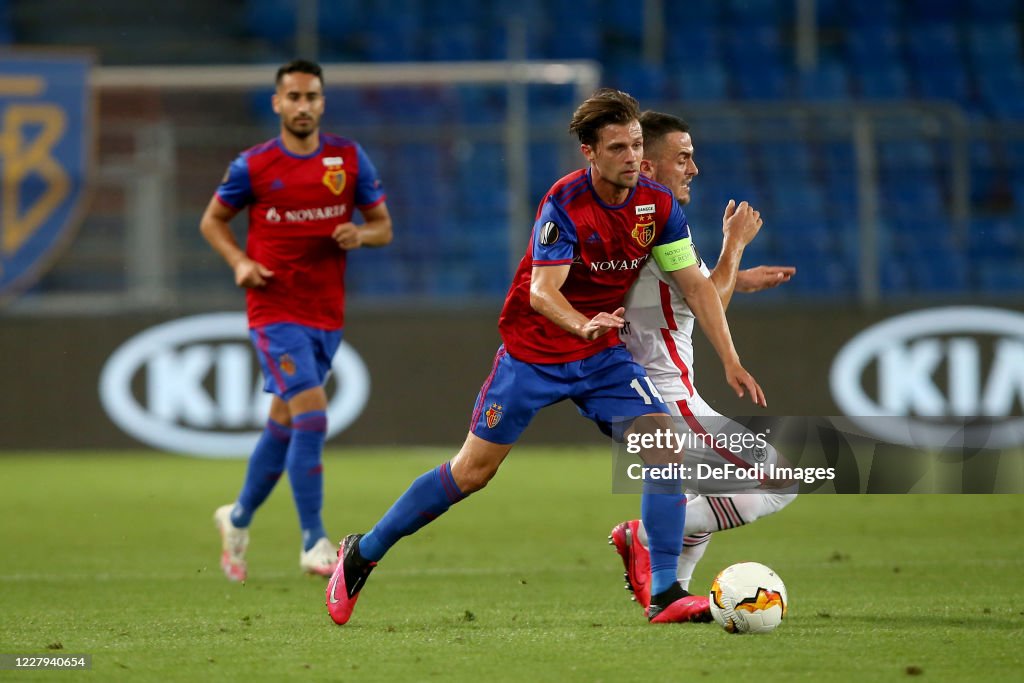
{"x": 116, "y": 556}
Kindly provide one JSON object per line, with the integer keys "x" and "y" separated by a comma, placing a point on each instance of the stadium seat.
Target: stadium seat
{"x": 645, "y": 82}
{"x": 826, "y": 83}
{"x": 744, "y": 13}
{"x": 1001, "y": 278}
{"x": 6, "y": 27}
{"x": 575, "y": 40}
{"x": 938, "y": 270}
{"x": 992, "y": 239}
{"x": 884, "y": 82}
{"x": 942, "y": 81}
{"x": 458, "y": 42}
{"x": 272, "y": 19}
{"x": 873, "y": 46}
{"x": 874, "y": 14}
{"x": 692, "y": 46}
{"x": 700, "y": 82}
{"x": 937, "y": 11}
{"x": 993, "y": 45}
{"x": 994, "y": 11}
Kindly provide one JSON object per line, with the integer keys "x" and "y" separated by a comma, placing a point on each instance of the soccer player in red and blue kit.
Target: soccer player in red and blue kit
{"x": 594, "y": 230}
{"x": 301, "y": 189}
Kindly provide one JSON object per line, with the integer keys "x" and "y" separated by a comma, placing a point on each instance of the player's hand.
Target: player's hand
{"x": 743, "y": 382}
{"x": 249, "y": 273}
{"x": 741, "y": 222}
{"x": 347, "y": 236}
{"x": 763, "y": 277}
{"x": 602, "y": 323}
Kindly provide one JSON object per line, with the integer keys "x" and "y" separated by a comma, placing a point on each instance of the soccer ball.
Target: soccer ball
{"x": 748, "y": 598}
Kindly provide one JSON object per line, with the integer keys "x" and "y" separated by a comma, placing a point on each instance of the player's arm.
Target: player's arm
{"x": 706, "y": 305}
{"x": 547, "y": 299}
{"x": 375, "y": 232}
{"x": 763, "y": 277}
{"x": 740, "y": 225}
{"x": 215, "y": 227}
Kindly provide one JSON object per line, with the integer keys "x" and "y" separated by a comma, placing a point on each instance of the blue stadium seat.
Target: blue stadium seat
{"x": 993, "y": 45}
{"x": 1001, "y": 278}
{"x": 743, "y": 13}
{"x": 942, "y": 81}
{"x": 941, "y": 11}
{"x": 875, "y": 14}
{"x": 574, "y": 40}
{"x": 754, "y": 48}
{"x": 645, "y": 82}
{"x": 873, "y": 46}
{"x": 393, "y": 39}
{"x": 730, "y": 158}
{"x": 764, "y": 81}
{"x": 701, "y": 82}
{"x": 938, "y": 270}
{"x": 458, "y": 42}
{"x": 895, "y": 277}
{"x": 888, "y": 82}
{"x": 985, "y": 174}
{"x": 691, "y": 46}
{"x": 994, "y": 11}
{"x": 6, "y": 27}
{"x": 694, "y": 14}
{"x": 828, "y": 82}
{"x": 449, "y": 12}
{"x": 929, "y": 43}
{"x": 994, "y": 239}
{"x": 623, "y": 21}
{"x": 1002, "y": 90}
{"x": 271, "y": 19}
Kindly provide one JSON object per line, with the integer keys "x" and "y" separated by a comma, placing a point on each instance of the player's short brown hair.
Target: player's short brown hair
{"x": 656, "y": 126}
{"x": 302, "y": 66}
{"x": 606, "y": 106}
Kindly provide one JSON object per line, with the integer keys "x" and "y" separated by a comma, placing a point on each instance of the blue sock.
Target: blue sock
{"x": 265, "y": 466}
{"x": 428, "y": 498}
{"x": 663, "y": 509}
{"x": 306, "y": 473}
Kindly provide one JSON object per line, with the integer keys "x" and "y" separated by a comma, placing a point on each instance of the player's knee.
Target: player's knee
{"x": 472, "y": 478}
{"x": 776, "y": 501}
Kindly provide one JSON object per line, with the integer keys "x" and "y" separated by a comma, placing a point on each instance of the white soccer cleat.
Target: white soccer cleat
{"x": 321, "y": 559}
{"x": 234, "y": 541}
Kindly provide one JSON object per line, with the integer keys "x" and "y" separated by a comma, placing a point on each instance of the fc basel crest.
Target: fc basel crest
{"x": 643, "y": 233}
{"x": 493, "y": 415}
{"x": 46, "y": 146}
{"x": 334, "y": 179}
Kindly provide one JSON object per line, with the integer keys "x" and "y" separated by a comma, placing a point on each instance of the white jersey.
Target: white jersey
{"x": 659, "y": 331}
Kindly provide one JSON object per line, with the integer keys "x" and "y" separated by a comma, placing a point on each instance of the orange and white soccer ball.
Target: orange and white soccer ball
{"x": 748, "y": 598}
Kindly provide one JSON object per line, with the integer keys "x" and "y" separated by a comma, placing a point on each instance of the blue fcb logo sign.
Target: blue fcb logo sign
{"x": 46, "y": 152}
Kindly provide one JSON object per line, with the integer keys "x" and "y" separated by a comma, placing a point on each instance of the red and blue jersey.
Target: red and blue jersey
{"x": 295, "y": 203}
{"x": 606, "y": 246}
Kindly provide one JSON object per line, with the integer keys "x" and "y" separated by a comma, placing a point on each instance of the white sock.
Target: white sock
{"x": 707, "y": 514}
{"x": 693, "y": 550}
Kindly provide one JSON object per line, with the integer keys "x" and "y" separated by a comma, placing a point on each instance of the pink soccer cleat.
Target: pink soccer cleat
{"x": 347, "y": 580}
{"x": 635, "y": 558}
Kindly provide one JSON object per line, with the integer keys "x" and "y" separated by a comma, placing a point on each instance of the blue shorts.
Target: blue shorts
{"x": 294, "y": 357}
{"x": 604, "y": 387}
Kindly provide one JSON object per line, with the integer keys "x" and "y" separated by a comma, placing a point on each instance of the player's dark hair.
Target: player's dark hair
{"x": 656, "y": 126}
{"x": 301, "y": 66}
{"x": 606, "y": 106}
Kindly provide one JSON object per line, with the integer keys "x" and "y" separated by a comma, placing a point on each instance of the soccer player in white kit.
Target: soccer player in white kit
{"x": 658, "y": 333}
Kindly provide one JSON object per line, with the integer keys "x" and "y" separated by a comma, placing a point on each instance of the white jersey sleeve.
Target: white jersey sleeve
{"x": 659, "y": 329}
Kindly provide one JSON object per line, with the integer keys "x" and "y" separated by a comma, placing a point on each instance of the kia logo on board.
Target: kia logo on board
{"x": 201, "y": 392}
{"x": 934, "y": 366}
